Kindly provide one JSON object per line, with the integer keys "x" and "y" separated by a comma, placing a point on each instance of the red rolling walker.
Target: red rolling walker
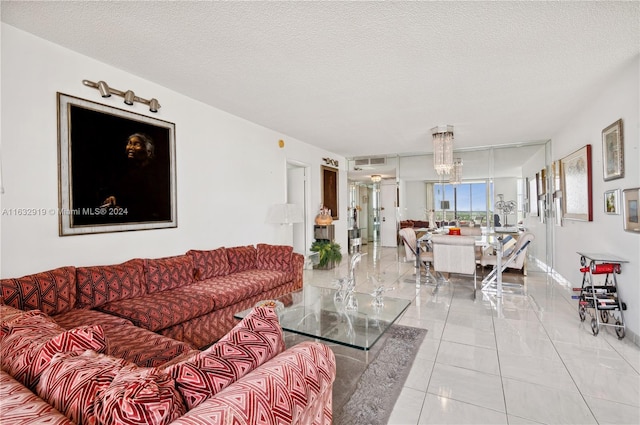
{"x": 601, "y": 300}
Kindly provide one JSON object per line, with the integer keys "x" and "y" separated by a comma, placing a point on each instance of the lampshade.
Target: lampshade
{"x": 376, "y": 178}
{"x": 285, "y": 214}
{"x": 456, "y": 172}
{"x": 442, "y": 148}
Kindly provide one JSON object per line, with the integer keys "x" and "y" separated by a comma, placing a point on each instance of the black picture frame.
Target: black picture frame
{"x": 106, "y": 183}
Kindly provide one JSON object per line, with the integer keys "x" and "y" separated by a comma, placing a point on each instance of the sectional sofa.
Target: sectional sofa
{"x": 120, "y": 343}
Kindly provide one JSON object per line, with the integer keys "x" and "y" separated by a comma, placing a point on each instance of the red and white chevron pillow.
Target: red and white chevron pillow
{"x": 33, "y": 339}
{"x": 251, "y": 343}
{"x": 139, "y": 396}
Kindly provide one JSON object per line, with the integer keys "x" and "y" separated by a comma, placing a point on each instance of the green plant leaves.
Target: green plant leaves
{"x": 328, "y": 252}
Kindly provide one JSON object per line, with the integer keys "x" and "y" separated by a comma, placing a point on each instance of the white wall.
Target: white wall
{"x": 229, "y": 170}
{"x": 414, "y": 200}
{"x": 605, "y": 233}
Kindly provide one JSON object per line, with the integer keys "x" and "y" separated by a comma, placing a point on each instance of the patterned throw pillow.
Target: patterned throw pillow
{"x": 72, "y": 382}
{"x": 168, "y": 273}
{"x": 8, "y": 316}
{"x": 32, "y": 341}
{"x": 274, "y": 257}
{"x": 210, "y": 263}
{"x": 139, "y": 396}
{"x": 98, "y": 285}
{"x": 52, "y": 292}
{"x": 241, "y": 258}
{"x": 255, "y": 340}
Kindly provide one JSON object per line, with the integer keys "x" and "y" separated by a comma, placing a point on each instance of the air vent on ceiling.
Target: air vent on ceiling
{"x": 370, "y": 161}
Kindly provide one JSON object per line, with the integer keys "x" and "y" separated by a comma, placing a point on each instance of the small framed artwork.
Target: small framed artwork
{"x": 577, "y": 201}
{"x": 613, "y": 151}
{"x": 612, "y": 201}
{"x": 116, "y": 169}
{"x": 557, "y": 207}
{"x": 542, "y": 183}
{"x": 631, "y": 201}
{"x": 556, "y": 184}
{"x": 329, "y": 180}
{"x": 533, "y": 197}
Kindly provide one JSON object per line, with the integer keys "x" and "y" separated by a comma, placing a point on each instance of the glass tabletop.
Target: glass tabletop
{"x": 313, "y": 312}
{"x": 609, "y": 258}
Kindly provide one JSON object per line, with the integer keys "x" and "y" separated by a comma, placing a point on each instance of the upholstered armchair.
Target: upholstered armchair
{"x": 455, "y": 254}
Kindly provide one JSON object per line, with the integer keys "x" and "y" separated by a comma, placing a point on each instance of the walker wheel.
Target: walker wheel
{"x": 619, "y": 329}
{"x": 583, "y": 261}
{"x": 594, "y": 327}
{"x": 604, "y": 315}
{"x": 581, "y": 313}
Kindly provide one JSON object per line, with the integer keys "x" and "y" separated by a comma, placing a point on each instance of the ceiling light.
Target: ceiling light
{"x": 442, "y": 148}
{"x": 376, "y": 178}
{"x": 456, "y": 172}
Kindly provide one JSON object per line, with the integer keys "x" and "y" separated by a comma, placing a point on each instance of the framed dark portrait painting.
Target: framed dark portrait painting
{"x": 329, "y": 178}
{"x": 117, "y": 169}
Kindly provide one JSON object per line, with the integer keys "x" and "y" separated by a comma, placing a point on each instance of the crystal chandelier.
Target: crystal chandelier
{"x": 443, "y": 148}
{"x": 456, "y": 172}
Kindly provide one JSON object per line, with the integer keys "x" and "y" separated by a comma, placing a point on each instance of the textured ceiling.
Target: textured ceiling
{"x": 361, "y": 78}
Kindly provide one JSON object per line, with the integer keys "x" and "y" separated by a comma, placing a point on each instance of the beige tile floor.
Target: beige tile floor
{"x": 526, "y": 360}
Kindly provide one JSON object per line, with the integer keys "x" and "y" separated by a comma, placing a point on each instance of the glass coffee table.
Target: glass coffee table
{"x": 312, "y": 312}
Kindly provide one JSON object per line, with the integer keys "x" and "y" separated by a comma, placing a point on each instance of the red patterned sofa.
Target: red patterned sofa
{"x": 133, "y": 329}
{"x": 53, "y": 375}
{"x": 190, "y": 298}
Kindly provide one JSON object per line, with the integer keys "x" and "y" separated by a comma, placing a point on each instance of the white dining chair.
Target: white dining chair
{"x": 455, "y": 254}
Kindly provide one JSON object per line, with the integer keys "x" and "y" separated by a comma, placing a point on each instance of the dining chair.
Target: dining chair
{"x": 455, "y": 254}
{"x": 424, "y": 258}
{"x": 513, "y": 258}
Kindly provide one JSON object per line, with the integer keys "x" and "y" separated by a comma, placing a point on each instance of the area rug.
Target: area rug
{"x": 365, "y": 394}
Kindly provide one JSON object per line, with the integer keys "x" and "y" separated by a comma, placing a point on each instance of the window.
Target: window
{"x": 465, "y": 202}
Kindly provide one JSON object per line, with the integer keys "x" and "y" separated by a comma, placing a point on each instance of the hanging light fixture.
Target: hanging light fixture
{"x": 456, "y": 172}
{"x": 443, "y": 148}
{"x": 376, "y": 178}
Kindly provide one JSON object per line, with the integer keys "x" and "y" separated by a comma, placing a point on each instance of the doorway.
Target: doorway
{"x": 297, "y": 194}
{"x": 388, "y": 214}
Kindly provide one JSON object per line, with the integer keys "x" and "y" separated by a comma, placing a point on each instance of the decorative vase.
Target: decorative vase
{"x": 324, "y": 219}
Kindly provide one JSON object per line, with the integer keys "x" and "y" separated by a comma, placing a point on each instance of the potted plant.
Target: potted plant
{"x": 329, "y": 253}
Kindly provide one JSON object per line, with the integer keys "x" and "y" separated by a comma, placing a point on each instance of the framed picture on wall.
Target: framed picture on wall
{"x": 533, "y": 196}
{"x": 557, "y": 207}
{"x": 329, "y": 178}
{"x": 613, "y": 151}
{"x": 576, "y": 183}
{"x": 631, "y": 203}
{"x": 116, "y": 169}
{"x": 612, "y": 201}
{"x": 542, "y": 182}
